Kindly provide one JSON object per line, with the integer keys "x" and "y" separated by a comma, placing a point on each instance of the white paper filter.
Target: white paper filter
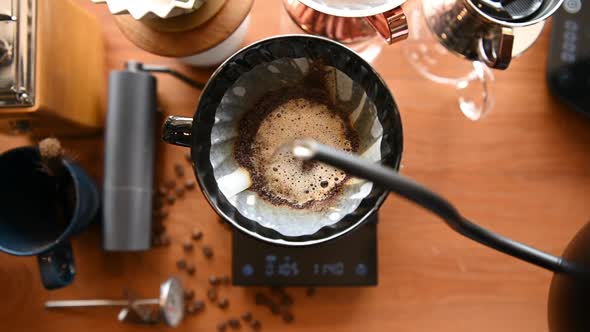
{"x": 234, "y": 181}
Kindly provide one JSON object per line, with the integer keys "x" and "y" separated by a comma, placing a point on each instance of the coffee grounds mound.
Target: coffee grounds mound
{"x": 305, "y": 110}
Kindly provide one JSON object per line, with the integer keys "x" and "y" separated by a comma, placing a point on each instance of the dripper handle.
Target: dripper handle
{"x": 177, "y": 130}
{"x": 496, "y": 52}
{"x": 392, "y": 25}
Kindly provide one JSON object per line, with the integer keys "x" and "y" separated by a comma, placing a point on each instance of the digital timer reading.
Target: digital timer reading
{"x": 570, "y": 39}
{"x": 284, "y": 267}
{"x": 348, "y": 262}
{"x": 329, "y": 269}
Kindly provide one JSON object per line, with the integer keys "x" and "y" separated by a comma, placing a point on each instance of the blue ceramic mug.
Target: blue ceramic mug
{"x": 29, "y": 224}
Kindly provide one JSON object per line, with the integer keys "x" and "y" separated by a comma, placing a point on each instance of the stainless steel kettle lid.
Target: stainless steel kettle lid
{"x": 510, "y": 10}
{"x": 515, "y": 13}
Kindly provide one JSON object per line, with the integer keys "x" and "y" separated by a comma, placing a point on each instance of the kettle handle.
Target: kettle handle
{"x": 177, "y": 130}
{"x": 392, "y": 25}
{"x": 497, "y": 53}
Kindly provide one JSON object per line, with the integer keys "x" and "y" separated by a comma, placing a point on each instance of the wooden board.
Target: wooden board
{"x": 189, "y": 21}
{"x": 523, "y": 172}
{"x": 186, "y": 43}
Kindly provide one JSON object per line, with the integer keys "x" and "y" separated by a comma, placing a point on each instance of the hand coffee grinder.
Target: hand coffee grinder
{"x": 51, "y": 68}
{"x": 203, "y": 35}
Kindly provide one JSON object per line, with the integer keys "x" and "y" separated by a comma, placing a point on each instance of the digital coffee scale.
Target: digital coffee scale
{"x": 350, "y": 260}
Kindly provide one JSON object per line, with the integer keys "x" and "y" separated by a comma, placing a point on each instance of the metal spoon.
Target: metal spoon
{"x": 171, "y": 302}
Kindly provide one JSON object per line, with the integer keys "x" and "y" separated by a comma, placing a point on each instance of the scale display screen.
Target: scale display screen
{"x": 568, "y": 65}
{"x": 347, "y": 261}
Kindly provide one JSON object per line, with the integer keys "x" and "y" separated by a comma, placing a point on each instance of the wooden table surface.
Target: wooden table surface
{"x": 523, "y": 171}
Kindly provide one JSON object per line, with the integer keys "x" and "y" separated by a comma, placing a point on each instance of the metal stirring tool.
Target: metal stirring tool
{"x": 170, "y": 302}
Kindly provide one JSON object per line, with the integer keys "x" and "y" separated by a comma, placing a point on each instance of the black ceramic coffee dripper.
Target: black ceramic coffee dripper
{"x": 234, "y": 89}
{"x": 569, "y": 297}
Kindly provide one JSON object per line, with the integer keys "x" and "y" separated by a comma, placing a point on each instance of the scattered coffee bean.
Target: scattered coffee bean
{"x": 213, "y": 281}
{"x": 179, "y": 170}
{"x": 170, "y": 184}
{"x": 234, "y": 323}
{"x": 189, "y": 294}
{"x": 212, "y": 294}
{"x": 171, "y": 199}
{"x": 310, "y": 291}
{"x": 262, "y": 299}
{"x": 191, "y": 269}
{"x": 247, "y": 316}
{"x": 189, "y": 184}
{"x": 275, "y": 308}
{"x": 197, "y": 235}
{"x": 256, "y": 325}
{"x": 162, "y": 192}
{"x": 221, "y": 326}
{"x": 189, "y": 309}
{"x": 287, "y": 317}
{"x": 275, "y": 290}
{"x": 188, "y": 157}
{"x": 181, "y": 264}
{"x": 180, "y": 192}
{"x": 194, "y": 306}
{"x": 165, "y": 240}
{"x": 158, "y": 202}
{"x": 224, "y": 280}
{"x": 158, "y": 228}
{"x": 208, "y": 252}
{"x": 156, "y": 241}
{"x": 199, "y": 304}
{"x": 223, "y": 303}
{"x": 286, "y": 299}
{"x": 161, "y": 214}
{"x": 187, "y": 246}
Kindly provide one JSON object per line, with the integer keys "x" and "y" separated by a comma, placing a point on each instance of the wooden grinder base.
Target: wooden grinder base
{"x": 186, "y": 43}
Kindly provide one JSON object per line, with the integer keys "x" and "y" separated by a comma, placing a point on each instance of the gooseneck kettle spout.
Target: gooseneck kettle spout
{"x": 389, "y": 179}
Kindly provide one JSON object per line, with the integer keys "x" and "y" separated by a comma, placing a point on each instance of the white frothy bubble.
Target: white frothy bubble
{"x": 239, "y": 91}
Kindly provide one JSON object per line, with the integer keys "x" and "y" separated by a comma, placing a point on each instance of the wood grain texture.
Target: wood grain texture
{"x": 522, "y": 171}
